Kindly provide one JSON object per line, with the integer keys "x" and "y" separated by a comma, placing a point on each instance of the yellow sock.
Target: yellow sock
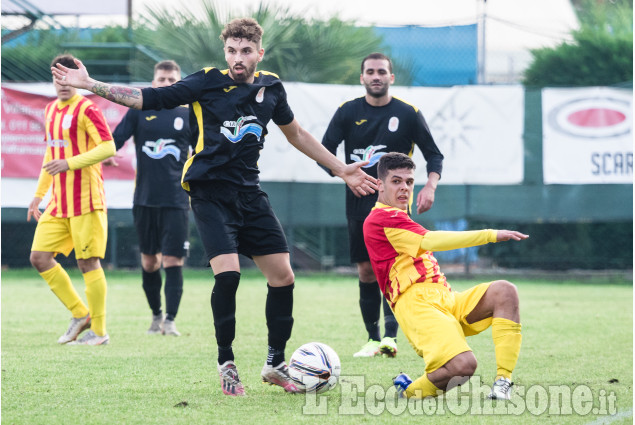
{"x": 422, "y": 388}
{"x": 96, "y": 296}
{"x": 507, "y": 339}
{"x": 61, "y": 285}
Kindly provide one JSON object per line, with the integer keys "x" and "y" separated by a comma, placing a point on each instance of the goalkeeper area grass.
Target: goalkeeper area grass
{"x": 575, "y": 366}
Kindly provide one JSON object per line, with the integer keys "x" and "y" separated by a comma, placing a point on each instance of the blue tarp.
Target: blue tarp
{"x": 441, "y": 56}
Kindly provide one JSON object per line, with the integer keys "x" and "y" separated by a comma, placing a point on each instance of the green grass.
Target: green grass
{"x": 573, "y": 334}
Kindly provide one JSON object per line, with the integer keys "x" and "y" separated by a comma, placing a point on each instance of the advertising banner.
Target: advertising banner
{"x": 587, "y": 135}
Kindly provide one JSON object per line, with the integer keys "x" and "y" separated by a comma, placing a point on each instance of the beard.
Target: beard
{"x": 247, "y": 73}
{"x": 376, "y": 91}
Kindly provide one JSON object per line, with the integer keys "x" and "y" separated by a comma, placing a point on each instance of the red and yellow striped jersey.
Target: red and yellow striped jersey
{"x": 393, "y": 241}
{"x": 74, "y": 127}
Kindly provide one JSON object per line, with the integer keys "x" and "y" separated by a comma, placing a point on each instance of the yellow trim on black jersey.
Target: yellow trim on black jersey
{"x": 257, "y": 74}
{"x": 409, "y": 104}
{"x": 198, "y": 113}
{"x": 208, "y": 69}
{"x": 346, "y": 101}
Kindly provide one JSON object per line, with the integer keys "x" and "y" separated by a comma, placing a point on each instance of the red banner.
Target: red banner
{"x": 23, "y": 144}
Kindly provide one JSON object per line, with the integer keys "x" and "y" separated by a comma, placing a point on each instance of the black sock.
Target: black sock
{"x": 390, "y": 323}
{"x": 275, "y": 357}
{"x": 225, "y": 354}
{"x": 151, "y": 282}
{"x": 279, "y": 314}
{"x": 370, "y": 305}
{"x": 173, "y": 290}
{"x": 224, "y": 311}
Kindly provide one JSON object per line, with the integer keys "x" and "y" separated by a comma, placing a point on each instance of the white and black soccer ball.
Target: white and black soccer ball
{"x": 315, "y": 367}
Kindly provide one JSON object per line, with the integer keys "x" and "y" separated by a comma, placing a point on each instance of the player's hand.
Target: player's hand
{"x": 34, "y": 210}
{"x": 112, "y": 161}
{"x": 56, "y": 166}
{"x": 505, "y": 235}
{"x": 425, "y": 199}
{"x": 78, "y": 78}
{"x": 357, "y": 180}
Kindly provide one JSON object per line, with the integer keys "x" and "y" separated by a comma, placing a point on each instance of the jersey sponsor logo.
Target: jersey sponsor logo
{"x": 241, "y": 129}
{"x": 360, "y": 122}
{"x": 161, "y": 148}
{"x": 393, "y": 124}
{"x": 369, "y": 154}
{"x": 151, "y": 117}
{"x": 57, "y": 143}
{"x": 228, "y": 89}
{"x": 261, "y": 95}
{"x": 178, "y": 123}
{"x": 67, "y": 121}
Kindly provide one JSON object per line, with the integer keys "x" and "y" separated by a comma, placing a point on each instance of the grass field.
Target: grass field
{"x": 577, "y": 341}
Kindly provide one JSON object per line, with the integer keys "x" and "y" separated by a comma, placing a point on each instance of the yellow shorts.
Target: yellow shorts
{"x": 433, "y": 319}
{"x": 86, "y": 233}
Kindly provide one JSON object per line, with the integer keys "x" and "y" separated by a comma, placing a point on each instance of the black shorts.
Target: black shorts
{"x": 357, "y": 247}
{"x": 162, "y": 230}
{"x": 230, "y": 221}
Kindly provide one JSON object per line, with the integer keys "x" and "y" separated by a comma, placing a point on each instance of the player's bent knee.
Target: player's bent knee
{"x": 463, "y": 365}
{"x": 505, "y": 290}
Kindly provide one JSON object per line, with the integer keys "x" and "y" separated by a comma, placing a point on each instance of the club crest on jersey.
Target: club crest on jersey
{"x": 393, "y": 124}
{"x": 161, "y": 148}
{"x": 67, "y": 121}
{"x": 261, "y": 95}
{"x": 178, "y": 123}
{"x": 369, "y": 154}
{"x": 241, "y": 129}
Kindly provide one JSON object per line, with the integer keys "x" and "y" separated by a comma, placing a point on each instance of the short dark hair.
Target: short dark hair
{"x": 65, "y": 59}
{"x": 246, "y": 28}
{"x": 377, "y": 56}
{"x": 167, "y": 65}
{"x": 394, "y": 161}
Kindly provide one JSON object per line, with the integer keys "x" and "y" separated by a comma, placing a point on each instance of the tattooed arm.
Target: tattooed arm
{"x": 79, "y": 78}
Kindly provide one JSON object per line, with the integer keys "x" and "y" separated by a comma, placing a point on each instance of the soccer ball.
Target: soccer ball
{"x": 314, "y": 367}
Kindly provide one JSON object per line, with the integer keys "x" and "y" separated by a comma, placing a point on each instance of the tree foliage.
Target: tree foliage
{"x": 601, "y": 52}
{"x": 298, "y": 50}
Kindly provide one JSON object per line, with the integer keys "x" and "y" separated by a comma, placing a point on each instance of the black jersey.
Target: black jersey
{"x": 162, "y": 140}
{"x": 229, "y": 121}
{"x": 369, "y": 132}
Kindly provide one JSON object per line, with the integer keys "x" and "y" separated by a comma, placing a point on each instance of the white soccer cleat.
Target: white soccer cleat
{"x": 502, "y": 389}
{"x": 91, "y": 338}
{"x": 77, "y": 326}
{"x": 156, "y": 327}
{"x": 388, "y": 346}
{"x": 169, "y": 328}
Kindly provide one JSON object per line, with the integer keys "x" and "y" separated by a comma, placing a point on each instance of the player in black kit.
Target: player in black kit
{"x": 371, "y": 126}
{"x": 230, "y": 110}
{"x": 160, "y": 207}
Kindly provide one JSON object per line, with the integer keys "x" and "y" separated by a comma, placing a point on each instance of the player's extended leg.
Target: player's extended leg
{"x": 151, "y": 283}
{"x": 173, "y": 267}
{"x": 279, "y": 313}
{"x": 388, "y": 345}
{"x": 226, "y": 268}
{"x": 60, "y": 283}
{"x": 370, "y": 306}
{"x": 500, "y": 302}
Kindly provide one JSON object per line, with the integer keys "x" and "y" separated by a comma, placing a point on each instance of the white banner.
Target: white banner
{"x": 478, "y": 129}
{"x": 587, "y": 135}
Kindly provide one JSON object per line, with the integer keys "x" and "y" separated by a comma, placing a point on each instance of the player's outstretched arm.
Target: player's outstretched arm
{"x": 505, "y": 235}
{"x": 79, "y": 78}
{"x": 357, "y": 180}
